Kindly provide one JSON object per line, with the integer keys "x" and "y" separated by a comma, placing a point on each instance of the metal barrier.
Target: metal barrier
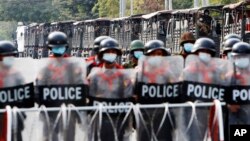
{"x": 133, "y": 107}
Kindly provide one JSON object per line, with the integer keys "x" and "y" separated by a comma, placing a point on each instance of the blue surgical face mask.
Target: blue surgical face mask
{"x": 242, "y": 63}
{"x": 138, "y": 54}
{"x": 109, "y": 57}
{"x": 8, "y": 61}
{"x": 229, "y": 56}
{"x": 154, "y": 60}
{"x": 205, "y": 57}
{"x": 188, "y": 47}
{"x": 59, "y": 50}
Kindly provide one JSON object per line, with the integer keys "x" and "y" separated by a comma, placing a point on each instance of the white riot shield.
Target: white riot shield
{"x": 157, "y": 82}
{"x": 17, "y": 91}
{"x": 61, "y": 83}
{"x": 203, "y": 81}
{"x": 111, "y": 87}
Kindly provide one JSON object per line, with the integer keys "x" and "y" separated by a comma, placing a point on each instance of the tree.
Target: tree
{"x": 152, "y": 5}
{"x": 137, "y": 7}
{"x": 180, "y": 4}
{"x": 46, "y": 10}
{"x": 29, "y": 11}
{"x": 7, "y": 30}
{"x": 107, "y": 8}
{"x": 229, "y": 1}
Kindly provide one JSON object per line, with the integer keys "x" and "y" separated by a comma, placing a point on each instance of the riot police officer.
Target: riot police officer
{"x": 97, "y": 43}
{"x": 136, "y": 51}
{"x": 204, "y": 48}
{"x": 229, "y": 36}
{"x": 156, "y": 48}
{"x": 227, "y": 47}
{"x": 154, "y": 52}
{"x": 117, "y": 87}
{"x": 59, "y": 72}
{"x": 151, "y": 70}
{"x": 58, "y": 44}
{"x": 232, "y": 35}
{"x": 198, "y": 68}
{"x": 109, "y": 53}
{"x": 239, "y": 114}
{"x": 8, "y": 49}
{"x": 93, "y": 60}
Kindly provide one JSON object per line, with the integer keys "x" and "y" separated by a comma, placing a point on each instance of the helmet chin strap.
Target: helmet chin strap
{"x": 58, "y": 55}
{"x": 109, "y": 63}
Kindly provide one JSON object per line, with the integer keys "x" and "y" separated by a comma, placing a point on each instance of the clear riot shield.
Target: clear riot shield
{"x": 111, "y": 87}
{"x": 61, "y": 82}
{"x": 17, "y": 91}
{"x": 204, "y": 80}
{"x": 239, "y": 92}
{"x": 157, "y": 82}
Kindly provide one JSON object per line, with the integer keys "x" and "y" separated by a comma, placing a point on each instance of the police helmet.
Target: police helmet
{"x": 229, "y": 36}
{"x": 7, "y": 48}
{"x": 153, "y": 45}
{"x": 97, "y": 42}
{"x": 241, "y": 48}
{"x": 228, "y": 44}
{"x": 136, "y": 45}
{"x": 57, "y": 38}
{"x": 108, "y": 44}
{"x": 205, "y": 44}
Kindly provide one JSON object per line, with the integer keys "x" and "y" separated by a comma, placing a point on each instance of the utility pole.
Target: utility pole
{"x": 122, "y": 7}
{"x": 170, "y": 5}
{"x": 196, "y": 3}
{"x": 166, "y": 5}
{"x": 205, "y": 3}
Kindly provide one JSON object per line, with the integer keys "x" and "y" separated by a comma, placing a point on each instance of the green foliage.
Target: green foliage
{"x": 107, "y": 8}
{"x": 229, "y": 1}
{"x": 180, "y": 4}
{"x": 29, "y": 11}
{"x": 137, "y": 7}
{"x": 45, "y": 10}
{"x": 7, "y": 30}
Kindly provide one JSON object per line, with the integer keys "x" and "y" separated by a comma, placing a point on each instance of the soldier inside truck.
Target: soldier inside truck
{"x": 208, "y": 25}
{"x": 204, "y": 23}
